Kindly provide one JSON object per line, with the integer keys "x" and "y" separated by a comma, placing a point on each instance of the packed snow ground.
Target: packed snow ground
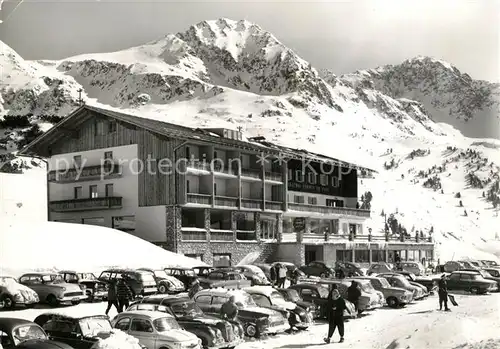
{"x": 473, "y": 325}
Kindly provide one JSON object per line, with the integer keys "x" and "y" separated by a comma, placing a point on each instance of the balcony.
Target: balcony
{"x": 251, "y": 203}
{"x": 199, "y": 199}
{"x": 274, "y": 205}
{"x": 329, "y": 210}
{"x": 196, "y": 165}
{"x": 88, "y": 204}
{"x": 85, "y": 174}
{"x": 248, "y": 173}
{"x": 274, "y": 177}
{"x": 226, "y": 201}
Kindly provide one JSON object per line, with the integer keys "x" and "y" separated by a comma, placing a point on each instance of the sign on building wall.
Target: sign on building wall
{"x": 299, "y": 224}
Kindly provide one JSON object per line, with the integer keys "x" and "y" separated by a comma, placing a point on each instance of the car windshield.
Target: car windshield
{"x": 165, "y": 324}
{"x": 27, "y": 332}
{"x": 7, "y": 281}
{"x": 485, "y": 274}
{"x": 53, "y": 278}
{"x": 367, "y": 287}
{"x": 93, "y": 325}
{"x": 384, "y": 283}
{"x": 292, "y": 296}
{"x": 189, "y": 272}
{"x": 323, "y": 292}
{"x": 87, "y": 276}
{"x": 147, "y": 277}
{"x": 404, "y": 281}
{"x": 186, "y": 309}
{"x": 244, "y": 300}
{"x": 477, "y": 277}
{"x": 71, "y": 277}
{"x": 277, "y": 297}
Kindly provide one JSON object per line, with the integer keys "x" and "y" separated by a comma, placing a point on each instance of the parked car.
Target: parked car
{"x": 266, "y": 268}
{"x": 366, "y": 286}
{"x": 490, "y": 263}
{"x": 164, "y": 282}
{"x": 485, "y": 274}
{"x": 155, "y": 330}
{"x": 412, "y": 279}
{"x": 225, "y": 278}
{"x": 254, "y": 274}
{"x": 318, "y": 295}
{"x": 52, "y": 288}
{"x": 471, "y": 282}
{"x": 318, "y": 269}
{"x": 214, "y": 332}
{"x": 394, "y": 296}
{"x": 20, "y": 333}
{"x": 141, "y": 283}
{"x": 495, "y": 272}
{"x": 377, "y": 268}
{"x": 413, "y": 267}
{"x": 185, "y": 275}
{"x": 13, "y": 294}
{"x": 81, "y": 332}
{"x": 452, "y": 266}
{"x": 398, "y": 280}
{"x": 256, "y": 320}
{"x": 293, "y": 296}
{"x": 94, "y": 289}
{"x": 469, "y": 265}
{"x": 268, "y": 297}
{"x": 202, "y": 271}
{"x": 348, "y": 269}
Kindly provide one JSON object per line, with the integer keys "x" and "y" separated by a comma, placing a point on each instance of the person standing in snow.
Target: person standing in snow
{"x": 229, "y": 310}
{"x": 353, "y": 294}
{"x": 281, "y": 276}
{"x": 443, "y": 293}
{"x": 124, "y": 293}
{"x": 273, "y": 274}
{"x": 112, "y": 298}
{"x": 195, "y": 288}
{"x": 336, "y": 307}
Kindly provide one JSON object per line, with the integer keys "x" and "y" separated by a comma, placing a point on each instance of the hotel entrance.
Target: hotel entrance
{"x": 313, "y": 253}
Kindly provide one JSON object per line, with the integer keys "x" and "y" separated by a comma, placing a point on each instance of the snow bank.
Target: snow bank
{"x": 118, "y": 340}
{"x": 54, "y": 246}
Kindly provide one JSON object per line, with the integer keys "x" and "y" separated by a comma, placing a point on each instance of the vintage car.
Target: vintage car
{"x": 485, "y": 274}
{"x": 52, "y": 288}
{"x": 266, "y": 268}
{"x": 19, "y": 333}
{"x": 394, "y": 296}
{"x": 377, "y": 268}
{"x": 490, "y": 263}
{"x": 82, "y": 332}
{"x": 185, "y": 275}
{"x": 155, "y": 330}
{"x": 293, "y": 296}
{"x": 452, "y": 266}
{"x": 348, "y": 269}
{"x": 256, "y": 320}
{"x": 95, "y": 290}
{"x": 494, "y": 272}
{"x": 400, "y": 281}
{"x": 225, "y": 278}
{"x": 367, "y": 287}
{"x": 13, "y": 294}
{"x": 140, "y": 282}
{"x": 165, "y": 283}
{"x": 202, "y": 271}
{"x": 254, "y": 274}
{"x": 318, "y": 295}
{"x": 268, "y": 297}
{"x": 412, "y": 279}
{"x": 413, "y": 267}
{"x": 471, "y": 282}
{"x": 318, "y": 269}
{"x": 213, "y": 332}
{"x": 468, "y": 265}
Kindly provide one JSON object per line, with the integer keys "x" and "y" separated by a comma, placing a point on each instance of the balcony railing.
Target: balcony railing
{"x": 200, "y": 199}
{"x": 328, "y": 210}
{"x": 88, "y": 204}
{"x": 226, "y": 201}
{"x": 221, "y": 235}
{"x": 251, "y": 173}
{"x": 246, "y": 235}
{"x": 193, "y": 234}
{"x": 198, "y": 165}
{"x": 274, "y": 176}
{"x": 85, "y": 173}
{"x": 274, "y": 205}
{"x": 251, "y": 203}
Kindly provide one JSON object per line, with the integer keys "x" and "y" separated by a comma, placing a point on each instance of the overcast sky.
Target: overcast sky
{"x": 344, "y": 36}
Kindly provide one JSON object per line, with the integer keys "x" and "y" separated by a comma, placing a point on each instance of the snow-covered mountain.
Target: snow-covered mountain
{"x": 234, "y": 74}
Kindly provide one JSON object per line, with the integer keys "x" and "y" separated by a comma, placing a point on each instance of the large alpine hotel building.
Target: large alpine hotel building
{"x": 160, "y": 182}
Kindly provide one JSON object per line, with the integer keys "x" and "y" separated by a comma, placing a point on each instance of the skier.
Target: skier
{"x": 336, "y": 306}
{"x": 353, "y": 294}
{"x": 443, "y": 293}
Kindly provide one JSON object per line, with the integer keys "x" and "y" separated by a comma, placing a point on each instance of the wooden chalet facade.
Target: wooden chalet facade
{"x": 204, "y": 193}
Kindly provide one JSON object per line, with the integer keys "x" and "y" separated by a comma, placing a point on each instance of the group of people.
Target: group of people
{"x": 119, "y": 294}
{"x": 279, "y": 274}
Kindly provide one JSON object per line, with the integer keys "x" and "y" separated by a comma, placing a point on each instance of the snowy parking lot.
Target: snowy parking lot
{"x": 419, "y": 325}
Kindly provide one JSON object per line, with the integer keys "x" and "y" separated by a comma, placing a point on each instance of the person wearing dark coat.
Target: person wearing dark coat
{"x": 124, "y": 294}
{"x": 195, "y": 288}
{"x": 273, "y": 274}
{"x": 443, "y": 293}
{"x": 229, "y": 310}
{"x": 112, "y": 298}
{"x": 353, "y": 294}
{"x": 336, "y": 307}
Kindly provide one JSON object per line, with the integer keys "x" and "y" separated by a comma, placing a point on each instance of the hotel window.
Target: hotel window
{"x": 323, "y": 179}
{"x": 77, "y": 160}
{"x": 312, "y": 200}
{"x": 311, "y": 178}
{"x": 77, "y": 192}
{"x": 335, "y": 182}
{"x": 188, "y": 153}
{"x": 222, "y": 259}
{"x": 298, "y": 199}
{"x": 108, "y": 155}
{"x": 109, "y": 190}
{"x": 93, "y": 191}
{"x": 187, "y": 187}
{"x": 111, "y": 126}
{"x": 299, "y": 176}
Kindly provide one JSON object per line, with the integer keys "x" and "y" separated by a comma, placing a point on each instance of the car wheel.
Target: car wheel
{"x": 322, "y": 275}
{"x": 251, "y": 330}
{"x": 392, "y": 302}
{"x": 8, "y": 302}
{"x": 52, "y": 300}
{"x": 474, "y": 290}
{"x": 162, "y": 288}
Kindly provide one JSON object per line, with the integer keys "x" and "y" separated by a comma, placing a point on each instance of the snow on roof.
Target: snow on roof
{"x": 52, "y": 246}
